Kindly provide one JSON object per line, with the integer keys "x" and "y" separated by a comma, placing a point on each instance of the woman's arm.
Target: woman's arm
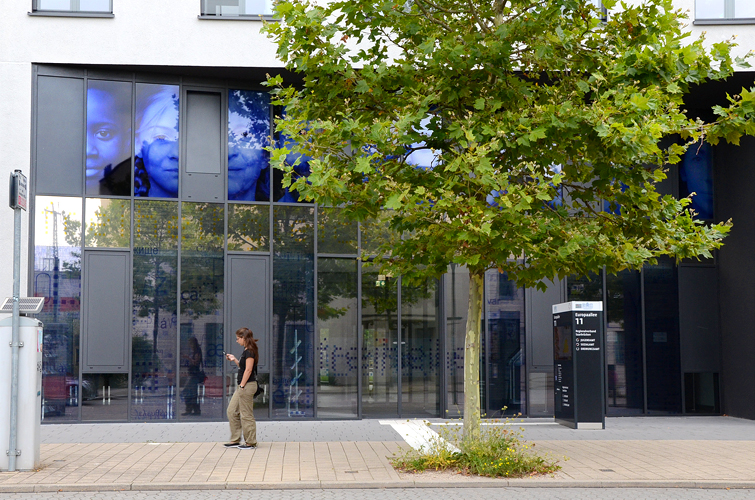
{"x": 247, "y": 372}
{"x": 231, "y": 357}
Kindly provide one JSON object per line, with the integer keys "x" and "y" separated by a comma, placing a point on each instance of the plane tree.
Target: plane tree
{"x": 520, "y": 135}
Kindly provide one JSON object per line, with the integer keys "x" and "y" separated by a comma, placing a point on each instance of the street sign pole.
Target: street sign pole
{"x": 17, "y": 202}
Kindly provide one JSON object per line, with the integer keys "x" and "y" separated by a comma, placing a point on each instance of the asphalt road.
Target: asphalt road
{"x": 409, "y": 494}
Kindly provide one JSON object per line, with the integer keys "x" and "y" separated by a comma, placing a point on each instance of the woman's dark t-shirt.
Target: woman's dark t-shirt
{"x": 242, "y": 367}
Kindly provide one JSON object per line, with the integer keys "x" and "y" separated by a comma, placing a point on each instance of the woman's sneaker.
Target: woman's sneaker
{"x": 246, "y": 446}
{"x": 231, "y": 445}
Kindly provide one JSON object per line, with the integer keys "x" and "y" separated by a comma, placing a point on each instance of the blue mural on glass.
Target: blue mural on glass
{"x": 156, "y": 141}
{"x": 108, "y": 160}
{"x": 696, "y": 176}
{"x": 300, "y": 163}
{"x": 248, "y": 135}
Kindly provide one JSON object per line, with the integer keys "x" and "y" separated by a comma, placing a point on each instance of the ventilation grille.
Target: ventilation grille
{"x": 26, "y": 305}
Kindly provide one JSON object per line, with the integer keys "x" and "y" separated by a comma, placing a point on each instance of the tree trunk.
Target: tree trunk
{"x": 472, "y": 359}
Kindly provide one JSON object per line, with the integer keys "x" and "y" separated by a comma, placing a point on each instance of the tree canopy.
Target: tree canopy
{"x": 495, "y": 130}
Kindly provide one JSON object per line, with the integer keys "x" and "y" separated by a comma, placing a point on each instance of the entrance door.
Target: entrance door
{"x": 380, "y": 345}
{"x": 249, "y": 306}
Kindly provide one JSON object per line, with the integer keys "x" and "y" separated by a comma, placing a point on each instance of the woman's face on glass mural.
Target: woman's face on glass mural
{"x": 158, "y": 138}
{"x": 107, "y": 134}
{"x": 246, "y": 158}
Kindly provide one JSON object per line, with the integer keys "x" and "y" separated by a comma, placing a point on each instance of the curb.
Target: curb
{"x": 327, "y": 485}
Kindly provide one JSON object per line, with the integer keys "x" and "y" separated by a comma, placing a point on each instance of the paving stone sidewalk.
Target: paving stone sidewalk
{"x": 102, "y": 466}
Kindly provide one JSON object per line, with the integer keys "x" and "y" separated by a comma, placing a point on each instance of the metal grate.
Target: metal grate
{"x": 26, "y": 305}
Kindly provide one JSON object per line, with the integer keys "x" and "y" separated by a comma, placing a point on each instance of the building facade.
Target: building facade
{"x": 156, "y": 229}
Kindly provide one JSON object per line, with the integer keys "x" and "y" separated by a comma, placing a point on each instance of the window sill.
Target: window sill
{"x": 260, "y": 17}
{"x": 55, "y": 13}
{"x": 712, "y": 22}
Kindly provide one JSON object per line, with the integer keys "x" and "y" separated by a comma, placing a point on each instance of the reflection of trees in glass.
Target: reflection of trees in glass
{"x": 155, "y": 263}
{"x": 336, "y": 234}
{"x": 109, "y": 224}
{"x": 293, "y": 304}
{"x": 201, "y": 258}
{"x": 248, "y": 227}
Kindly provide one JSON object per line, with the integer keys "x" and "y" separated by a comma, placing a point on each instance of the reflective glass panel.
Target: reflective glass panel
{"x": 744, "y": 9}
{"x": 300, "y": 162}
{"x": 154, "y": 333}
{"x": 202, "y": 274}
{"x": 57, "y": 278}
{"x": 248, "y": 135}
{"x": 379, "y": 344}
{"x": 585, "y": 288}
{"x": 375, "y": 232}
{"x": 293, "y": 311}
{"x": 104, "y": 396}
{"x": 696, "y": 176}
{"x": 457, "y": 304}
{"x": 420, "y": 350}
{"x": 505, "y": 345}
{"x": 236, "y": 7}
{"x": 709, "y": 9}
{"x": 108, "y": 161}
{"x": 338, "y": 325}
{"x": 108, "y": 223}
{"x": 335, "y": 233}
{"x": 61, "y": 5}
{"x": 94, "y": 5}
{"x": 248, "y": 228}
{"x": 662, "y": 354}
{"x": 625, "y": 394}
{"x": 156, "y": 141}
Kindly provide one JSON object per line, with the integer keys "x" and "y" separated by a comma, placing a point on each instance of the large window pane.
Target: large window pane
{"x": 457, "y": 304}
{"x": 156, "y": 141}
{"x": 338, "y": 332}
{"x": 420, "y": 350}
{"x": 744, "y": 9}
{"x": 709, "y": 9}
{"x": 233, "y": 8}
{"x": 624, "y": 344}
{"x": 153, "y": 341}
{"x": 696, "y": 176}
{"x": 293, "y": 311}
{"x": 108, "y": 223}
{"x": 248, "y": 135}
{"x": 57, "y": 278}
{"x": 505, "y": 345}
{"x": 94, "y": 5}
{"x": 104, "y": 397}
{"x": 379, "y": 344}
{"x": 585, "y": 288}
{"x": 202, "y": 273}
{"x": 335, "y": 233}
{"x": 248, "y": 228}
{"x": 664, "y": 378}
{"x": 108, "y": 161}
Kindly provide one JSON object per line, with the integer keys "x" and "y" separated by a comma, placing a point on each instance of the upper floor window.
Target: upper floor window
{"x": 237, "y": 8}
{"x": 77, "y": 6}
{"x": 724, "y": 10}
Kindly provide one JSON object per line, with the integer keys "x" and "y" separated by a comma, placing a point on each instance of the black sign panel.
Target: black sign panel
{"x": 578, "y": 364}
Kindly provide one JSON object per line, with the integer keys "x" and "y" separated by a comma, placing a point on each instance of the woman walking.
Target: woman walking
{"x": 241, "y": 407}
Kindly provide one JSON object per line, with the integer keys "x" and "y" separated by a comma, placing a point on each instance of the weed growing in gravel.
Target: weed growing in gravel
{"x": 500, "y": 451}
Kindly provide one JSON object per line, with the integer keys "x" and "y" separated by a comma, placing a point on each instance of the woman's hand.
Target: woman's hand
{"x": 231, "y": 357}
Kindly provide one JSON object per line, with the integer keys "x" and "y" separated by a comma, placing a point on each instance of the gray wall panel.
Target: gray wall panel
{"x": 540, "y": 324}
{"x": 249, "y": 301}
{"x": 59, "y": 141}
{"x": 105, "y": 334}
{"x": 698, "y": 319}
{"x": 734, "y": 174}
{"x": 203, "y": 165}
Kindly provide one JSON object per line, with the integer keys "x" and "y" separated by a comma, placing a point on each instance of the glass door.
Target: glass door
{"x": 380, "y": 344}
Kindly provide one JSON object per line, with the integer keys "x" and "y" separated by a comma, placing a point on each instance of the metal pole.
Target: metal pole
{"x": 12, "y": 451}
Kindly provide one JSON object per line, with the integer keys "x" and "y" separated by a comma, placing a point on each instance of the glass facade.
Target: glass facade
{"x": 338, "y": 338}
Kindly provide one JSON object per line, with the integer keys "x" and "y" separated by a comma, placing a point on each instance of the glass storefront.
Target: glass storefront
{"x": 339, "y": 339}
